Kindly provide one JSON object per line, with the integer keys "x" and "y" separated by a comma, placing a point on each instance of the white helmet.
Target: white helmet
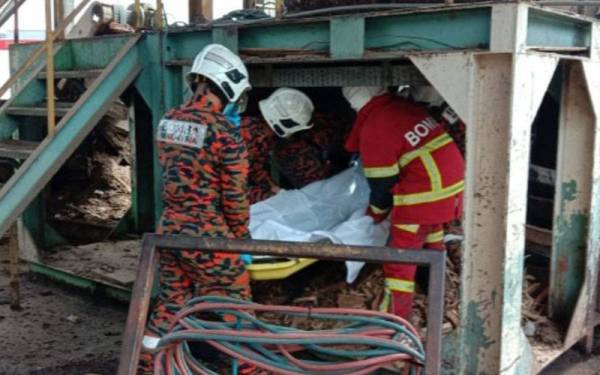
{"x": 224, "y": 68}
{"x": 426, "y": 94}
{"x": 359, "y": 96}
{"x": 287, "y": 111}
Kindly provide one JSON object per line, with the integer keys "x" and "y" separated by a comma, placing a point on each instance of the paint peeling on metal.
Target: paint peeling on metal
{"x": 570, "y": 243}
{"x": 569, "y": 191}
{"x": 475, "y": 338}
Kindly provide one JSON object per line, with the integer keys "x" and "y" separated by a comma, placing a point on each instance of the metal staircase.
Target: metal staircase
{"x": 28, "y": 108}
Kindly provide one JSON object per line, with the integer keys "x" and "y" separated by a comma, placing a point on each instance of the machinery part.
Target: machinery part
{"x": 368, "y": 340}
{"x": 140, "y": 301}
{"x": 96, "y": 16}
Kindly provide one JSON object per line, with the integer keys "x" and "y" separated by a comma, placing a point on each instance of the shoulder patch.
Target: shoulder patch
{"x": 450, "y": 116}
{"x": 182, "y": 133}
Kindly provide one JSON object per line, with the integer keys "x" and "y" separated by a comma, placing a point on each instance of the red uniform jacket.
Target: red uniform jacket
{"x": 411, "y": 163}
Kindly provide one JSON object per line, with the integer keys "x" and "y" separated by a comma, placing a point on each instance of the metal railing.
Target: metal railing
{"x": 53, "y": 34}
{"x": 148, "y": 265}
{"x": 48, "y": 47}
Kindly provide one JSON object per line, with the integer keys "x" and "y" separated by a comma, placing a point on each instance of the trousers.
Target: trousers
{"x": 400, "y": 278}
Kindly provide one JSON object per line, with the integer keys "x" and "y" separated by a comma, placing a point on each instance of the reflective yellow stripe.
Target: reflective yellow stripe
{"x": 399, "y": 285}
{"x": 430, "y": 196}
{"x": 432, "y": 171}
{"x": 382, "y": 172}
{"x": 384, "y": 306}
{"x": 378, "y": 210}
{"x": 429, "y": 147}
{"x": 411, "y": 228}
{"x": 435, "y": 237}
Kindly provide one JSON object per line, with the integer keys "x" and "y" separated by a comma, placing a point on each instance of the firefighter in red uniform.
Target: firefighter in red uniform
{"x": 205, "y": 171}
{"x": 455, "y": 127}
{"x": 414, "y": 170}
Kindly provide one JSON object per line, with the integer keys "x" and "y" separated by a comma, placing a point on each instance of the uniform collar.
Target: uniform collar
{"x": 207, "y": 102}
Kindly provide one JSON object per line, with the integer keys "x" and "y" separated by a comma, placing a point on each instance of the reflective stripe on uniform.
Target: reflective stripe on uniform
{"x": 411, "y": 228}
{"x": 432, "y": 170}
{"x": 429, "y": 196}
{"x": 384, "y": 306}
{"x": 437, "y": 192}
{"x": 399, "y": 285}
{"x": 435, "y": 237}
{"x": 382, "y": 172}
{"x": 429, "y": 147}
{"x": 378, "y": 211}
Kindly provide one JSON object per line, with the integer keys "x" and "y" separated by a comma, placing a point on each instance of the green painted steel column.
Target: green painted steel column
{"x": 227, "y": 36}
{"x": 347, "y": 38}
{"x": 573, "y": 192}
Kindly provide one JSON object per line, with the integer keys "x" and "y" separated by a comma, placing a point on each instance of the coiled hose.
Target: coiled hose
{"x": 368, "y": 341}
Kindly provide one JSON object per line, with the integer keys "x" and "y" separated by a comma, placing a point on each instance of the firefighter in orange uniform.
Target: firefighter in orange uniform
{"x": 414, "y": 170}
{"x": 301, "y": 145}
{"x": 205, "y": 170}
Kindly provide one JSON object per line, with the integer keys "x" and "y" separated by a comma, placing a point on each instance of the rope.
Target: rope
{"x": 368, "y": 340}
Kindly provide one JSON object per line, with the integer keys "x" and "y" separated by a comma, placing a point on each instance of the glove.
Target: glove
{"x": 377, "y": 218}
{"x": 246, "y": 258}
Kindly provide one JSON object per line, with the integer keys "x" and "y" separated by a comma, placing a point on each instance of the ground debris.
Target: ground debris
{"x": 93, "y": 190}
{"x": 73, "y": 319}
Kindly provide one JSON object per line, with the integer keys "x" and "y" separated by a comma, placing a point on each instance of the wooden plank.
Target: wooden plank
{"x": 539, "y": 236}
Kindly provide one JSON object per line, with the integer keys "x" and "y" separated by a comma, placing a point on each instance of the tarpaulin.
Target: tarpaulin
{"x": 332, "y": 209}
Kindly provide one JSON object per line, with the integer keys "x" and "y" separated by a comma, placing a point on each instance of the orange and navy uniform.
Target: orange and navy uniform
{"x": 260, "y": 141}
{"x": 205, "y": 169}
{"x": 303, "y": 158}
{"x": 415, "y": 171}
{"x": 307, "y": 156}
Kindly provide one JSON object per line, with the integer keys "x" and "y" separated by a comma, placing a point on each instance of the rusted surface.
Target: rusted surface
{"x": 138, "y": 308}
{"x": 140, "y": 301}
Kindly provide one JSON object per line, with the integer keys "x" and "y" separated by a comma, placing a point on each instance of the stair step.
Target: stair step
{"x": 16, "y": 149}
{"x": 61, "y": 110}
{"x": 69, "y": 74}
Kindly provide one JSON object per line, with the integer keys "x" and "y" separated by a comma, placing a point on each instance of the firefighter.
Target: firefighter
{"x": 301, "y": 145}
{"x": 205, "y": 169}
{"x": 455, "y": 127}
{"x": 414, "y": 170}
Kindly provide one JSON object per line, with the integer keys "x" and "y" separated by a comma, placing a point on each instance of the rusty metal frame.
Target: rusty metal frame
{"x": 140, "y": 299}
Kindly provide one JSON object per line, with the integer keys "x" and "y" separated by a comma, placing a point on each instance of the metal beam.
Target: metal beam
{"x": 497, "y": 95}
{"x": 138, "y": 309}
{"x": 573, "y": 192}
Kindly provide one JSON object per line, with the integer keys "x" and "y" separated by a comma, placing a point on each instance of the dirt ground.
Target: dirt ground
{"x": 59, "y": 331}
{"x": 62, "y": 331}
